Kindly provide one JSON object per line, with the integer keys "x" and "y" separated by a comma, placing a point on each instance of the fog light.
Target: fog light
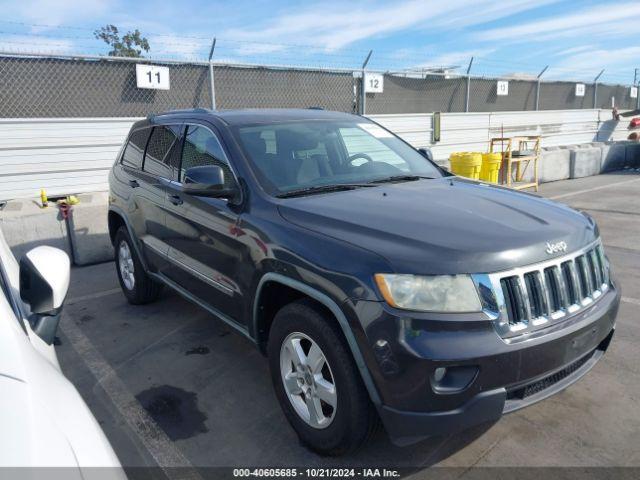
{"x": 454, "y": 379}
{"x": 439, "y": 374}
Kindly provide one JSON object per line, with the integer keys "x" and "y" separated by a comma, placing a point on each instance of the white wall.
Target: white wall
{"x": 62, "y": 155}
{"x": 472, "y": 131}
{"x": 74, "y": 155}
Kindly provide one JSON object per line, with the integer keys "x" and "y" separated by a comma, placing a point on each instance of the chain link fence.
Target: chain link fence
{"x": 82, "y": 86}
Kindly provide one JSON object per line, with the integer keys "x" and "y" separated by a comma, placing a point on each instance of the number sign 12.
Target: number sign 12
{"x": 152, "y": 76}
{"x": 373, "y": 82}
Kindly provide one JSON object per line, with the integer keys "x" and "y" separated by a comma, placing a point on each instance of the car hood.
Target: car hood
{"x": 448, "y": 225}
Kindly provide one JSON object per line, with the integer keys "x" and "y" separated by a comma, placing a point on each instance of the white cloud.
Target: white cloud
{"x": 572, "y": 50}
{"x": 28, "y": 44}
{"x": 589, "y": 63}
{"x": 613, "y": 19}
{"x": 178, "y": 47}
{"x": 334, "y": 25}
{"x": 57, "y": 12}
{"x": 459, "y": 58}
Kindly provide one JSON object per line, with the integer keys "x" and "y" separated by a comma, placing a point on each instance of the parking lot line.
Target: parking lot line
{"x": 587, "y": 190}
{"x": 91, "y": 296}
{"x": 155, "y": 440}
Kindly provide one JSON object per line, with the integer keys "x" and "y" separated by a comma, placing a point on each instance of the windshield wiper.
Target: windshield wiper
{"x": 402, "y": 178}
{"x": 338, "y": 187}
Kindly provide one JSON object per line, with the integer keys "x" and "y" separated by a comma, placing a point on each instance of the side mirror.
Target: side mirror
{"x": 206, "y": 181}
{"x": 44, "y": 282}
{"x": 426, "y": 153}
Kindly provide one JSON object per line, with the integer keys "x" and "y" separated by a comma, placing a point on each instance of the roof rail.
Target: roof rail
{"x": 315, "y": 108}
{"x": 184, "y": 110}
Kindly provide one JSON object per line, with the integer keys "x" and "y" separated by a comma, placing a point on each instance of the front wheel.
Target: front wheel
{"x": 136, "y": 284}
{"x": 317, "y": 382}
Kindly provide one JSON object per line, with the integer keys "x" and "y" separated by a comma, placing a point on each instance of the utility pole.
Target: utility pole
{"x": 211, "y": 82}
{"x": 363, "y": 95}
{"x": 595, "y": 89}
{"x": 466, "y": 100}
{"x": 538, "y": 87}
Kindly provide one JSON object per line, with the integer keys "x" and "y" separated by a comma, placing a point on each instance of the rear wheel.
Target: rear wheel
{"x": 317, "y": 382}
{"x": 136, "y": 284}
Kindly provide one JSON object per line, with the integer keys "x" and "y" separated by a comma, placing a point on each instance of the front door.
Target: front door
{"x": 205, "y": 251}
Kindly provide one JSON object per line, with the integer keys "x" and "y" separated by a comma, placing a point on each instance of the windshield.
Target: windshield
{"x": 306, "y": 154}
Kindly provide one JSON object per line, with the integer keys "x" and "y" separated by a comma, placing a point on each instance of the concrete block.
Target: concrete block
{"x": 585, "y": 162}
{"x": 554, "y": 165}
{"x": 613, "y": 156}
{"x": 89, "y": 231}
{"x": 26, "y": 225}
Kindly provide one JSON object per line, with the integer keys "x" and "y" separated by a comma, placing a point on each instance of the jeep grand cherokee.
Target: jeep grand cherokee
{"x": 379, "y": 286}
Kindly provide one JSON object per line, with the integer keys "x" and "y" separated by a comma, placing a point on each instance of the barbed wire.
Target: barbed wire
{"x": 193, "y": 47}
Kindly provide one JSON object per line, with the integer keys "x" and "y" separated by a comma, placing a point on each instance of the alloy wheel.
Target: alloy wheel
{"x": 308, "y": 380}
{"x": 126, "y": 266}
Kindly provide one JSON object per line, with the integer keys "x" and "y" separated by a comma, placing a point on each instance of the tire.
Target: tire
{"x": 136, "y": 284}
{"x": 345, "y": 427}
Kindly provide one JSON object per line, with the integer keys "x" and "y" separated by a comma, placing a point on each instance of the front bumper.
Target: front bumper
{"x": 505, "y": 375}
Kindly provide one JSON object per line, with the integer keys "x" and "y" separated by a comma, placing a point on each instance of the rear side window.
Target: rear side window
{"x": 201, "y": 147}
{"x": 160, "y": 158}
{"x": 134, "y": 151}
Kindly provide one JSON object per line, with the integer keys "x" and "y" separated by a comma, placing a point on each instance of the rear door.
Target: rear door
{"x": 147, "y": 184}
{"x": 205, "y": 248}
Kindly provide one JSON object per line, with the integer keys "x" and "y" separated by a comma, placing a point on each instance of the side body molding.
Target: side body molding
{"x": 337, "y": 312}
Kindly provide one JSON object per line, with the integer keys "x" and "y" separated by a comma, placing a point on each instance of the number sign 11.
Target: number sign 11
{"x": 152, "y": 76}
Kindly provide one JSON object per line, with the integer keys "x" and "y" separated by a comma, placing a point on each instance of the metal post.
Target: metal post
{"x": 637, "y": 85}
{"x": 466, "y": 100}
{"x": 363, "y": 95}
{"x": 212, "y": 88}
{"x": 538, "y": 87}
{"x": 595, "y": 89}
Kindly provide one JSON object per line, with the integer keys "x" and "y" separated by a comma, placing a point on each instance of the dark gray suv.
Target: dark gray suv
{"x": 380, "y": 286}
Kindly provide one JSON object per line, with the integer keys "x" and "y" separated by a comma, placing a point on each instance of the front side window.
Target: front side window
{"x": 159, "y": 159}
{"x": 202, "y": 147}
{"x": 316, "y": 153}
{"x": 134, "y": 151}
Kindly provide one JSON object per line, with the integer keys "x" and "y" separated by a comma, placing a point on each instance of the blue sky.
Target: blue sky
{"x": 575, "y": 38}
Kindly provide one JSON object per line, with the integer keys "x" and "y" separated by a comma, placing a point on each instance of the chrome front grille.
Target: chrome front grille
{"x": 529, "y": 298}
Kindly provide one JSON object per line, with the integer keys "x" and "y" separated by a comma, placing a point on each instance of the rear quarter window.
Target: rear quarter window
{"x": 134, "y": 151}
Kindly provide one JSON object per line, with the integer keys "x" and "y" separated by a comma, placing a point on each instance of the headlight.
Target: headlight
{"x": 438, "y": 293}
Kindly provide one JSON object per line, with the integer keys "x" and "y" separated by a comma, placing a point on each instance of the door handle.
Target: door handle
{"x": 175, "y": 199}
{"x": 134, "y": 183}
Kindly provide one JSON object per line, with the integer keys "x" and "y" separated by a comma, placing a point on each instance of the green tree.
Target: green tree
{"x": 130, "y": 45}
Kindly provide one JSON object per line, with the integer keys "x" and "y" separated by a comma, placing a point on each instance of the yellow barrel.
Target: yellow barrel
{"x": 490, "y": 170}
{"x": 466, "y": 164}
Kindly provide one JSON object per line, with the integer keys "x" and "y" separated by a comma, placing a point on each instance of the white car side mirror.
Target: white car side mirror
{"x": 44, "y": 282}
